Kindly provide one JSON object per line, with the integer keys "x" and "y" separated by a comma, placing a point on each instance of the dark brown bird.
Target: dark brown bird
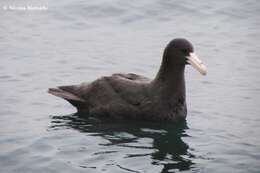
{"x": 133, "y": 96}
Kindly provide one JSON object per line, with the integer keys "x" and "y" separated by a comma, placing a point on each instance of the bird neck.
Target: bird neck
{"x": 170, "y": 80}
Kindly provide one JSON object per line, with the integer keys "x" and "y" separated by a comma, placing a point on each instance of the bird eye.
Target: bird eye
{"x": 184, "y": 51}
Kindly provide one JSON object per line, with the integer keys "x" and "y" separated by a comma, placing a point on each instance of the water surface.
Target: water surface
{"x": 75, "y": 41}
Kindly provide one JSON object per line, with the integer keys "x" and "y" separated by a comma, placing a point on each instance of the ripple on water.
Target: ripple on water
{"x": 5, "y": 76}
{"x": 121, "y": 146}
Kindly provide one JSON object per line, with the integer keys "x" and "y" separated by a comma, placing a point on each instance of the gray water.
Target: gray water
{"x": 76, "y": 41}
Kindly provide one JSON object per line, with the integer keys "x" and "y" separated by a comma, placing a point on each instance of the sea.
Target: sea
{"x": 47, "y": 43}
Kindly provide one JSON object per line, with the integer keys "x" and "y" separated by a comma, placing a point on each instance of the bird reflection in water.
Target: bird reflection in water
{"x": 168, "y": 147}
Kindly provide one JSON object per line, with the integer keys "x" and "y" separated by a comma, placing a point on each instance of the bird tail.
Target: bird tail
{"x": 68, "y": 93}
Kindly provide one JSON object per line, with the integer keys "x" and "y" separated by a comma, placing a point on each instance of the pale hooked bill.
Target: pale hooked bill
{"x": 195, "y": 62}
